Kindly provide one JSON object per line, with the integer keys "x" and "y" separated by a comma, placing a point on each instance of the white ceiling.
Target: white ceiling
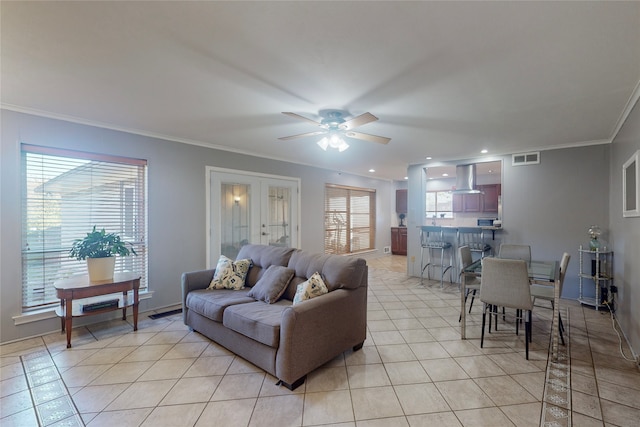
{"x": 446, "y": 79}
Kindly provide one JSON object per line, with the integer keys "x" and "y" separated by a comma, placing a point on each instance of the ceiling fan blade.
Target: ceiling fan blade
{"x": 302, "y": 135}
{"x": 368, "y": 137}
{"x": 299, "y": 117}
{"x": 362, "y": 119}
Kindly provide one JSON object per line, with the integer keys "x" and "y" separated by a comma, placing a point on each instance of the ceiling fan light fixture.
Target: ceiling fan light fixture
{"x": 324, "y": 143}
{"x": 336, "y": 127}
{"x": 335, "y": 141}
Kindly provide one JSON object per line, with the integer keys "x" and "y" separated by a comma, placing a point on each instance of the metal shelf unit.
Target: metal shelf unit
{"x": 598, "y": 271}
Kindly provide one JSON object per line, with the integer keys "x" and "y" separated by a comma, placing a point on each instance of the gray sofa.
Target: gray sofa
{"x": 288, "y": 341}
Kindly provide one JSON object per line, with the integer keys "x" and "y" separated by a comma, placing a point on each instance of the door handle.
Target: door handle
{"x": 265, "y": 234}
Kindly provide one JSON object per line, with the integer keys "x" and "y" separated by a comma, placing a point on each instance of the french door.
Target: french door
{"x": 250, "y": 208}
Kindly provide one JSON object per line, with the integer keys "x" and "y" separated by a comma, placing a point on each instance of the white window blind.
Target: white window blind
{"x": 64, "y": 194}
{"x": 349, "y": 220}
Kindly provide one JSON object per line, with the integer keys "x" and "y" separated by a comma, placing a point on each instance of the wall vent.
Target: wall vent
{"x": 525, "y": 159}
{"x": 387, "y": 249}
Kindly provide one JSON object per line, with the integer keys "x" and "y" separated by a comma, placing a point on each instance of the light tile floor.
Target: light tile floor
{"x": 413, "y": 371}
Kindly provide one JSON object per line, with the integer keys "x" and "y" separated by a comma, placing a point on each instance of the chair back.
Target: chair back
{"x": 505, "y": 282}
{"x": 564, "y": 263}
{"x": 464, "y": 260}
{"x": 508, "y": 251}
{"x": 432, "y": 236}
{"x": 464, "y": 255}
{"x": 472, "y": 237}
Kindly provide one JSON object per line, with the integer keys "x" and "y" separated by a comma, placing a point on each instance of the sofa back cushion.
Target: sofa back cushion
{"x": 263, "y": 256}
{"x": 336, "y": 271}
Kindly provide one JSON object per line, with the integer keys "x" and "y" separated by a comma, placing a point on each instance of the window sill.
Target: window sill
{"x": 50, "y": 313}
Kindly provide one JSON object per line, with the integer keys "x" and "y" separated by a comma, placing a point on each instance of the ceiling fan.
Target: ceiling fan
{"x": 334, "y": 125}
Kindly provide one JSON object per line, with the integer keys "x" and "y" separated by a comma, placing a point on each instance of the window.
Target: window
{"x": 349, "y": 219}
{"x": 64, "y": 194}
{"x": 439, "y": 204}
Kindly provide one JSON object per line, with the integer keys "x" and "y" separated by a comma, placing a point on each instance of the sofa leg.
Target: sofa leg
{"x": 294, "y": 385}
{"x": 358, "y": 346}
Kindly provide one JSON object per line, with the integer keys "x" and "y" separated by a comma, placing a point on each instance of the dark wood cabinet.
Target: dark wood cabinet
{"x": 490, "y": 197}
{"x": 401, "y": 201}
{"x": 456, "y": 203}
{"x": 399, "y": 240}
{"x": 484, "y": 202}
{"x": 472, "y": 202}
{"x": 466, "y": 203}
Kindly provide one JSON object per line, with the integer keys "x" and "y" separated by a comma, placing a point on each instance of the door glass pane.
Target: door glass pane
{"x": 235, "y": 218}
{"x": 279, "y": 221}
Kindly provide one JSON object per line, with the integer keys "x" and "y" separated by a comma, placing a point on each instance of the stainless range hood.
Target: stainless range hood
{"x": 466, "y": 180}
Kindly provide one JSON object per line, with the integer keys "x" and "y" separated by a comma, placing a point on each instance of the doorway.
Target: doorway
{"x": 245, "y": 207}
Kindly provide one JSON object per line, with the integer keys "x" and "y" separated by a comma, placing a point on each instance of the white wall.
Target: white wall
{"x": 625, "y": 233}
{"x": 176, "y": 204}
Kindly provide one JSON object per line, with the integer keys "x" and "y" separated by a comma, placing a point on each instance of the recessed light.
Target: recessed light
{"x": 445, "y": 174}
{"x": 406, "y": 177}
{"x": 429, "y": 157}
{"x": 484, "y": 151}
{"x": 372, "y": 170}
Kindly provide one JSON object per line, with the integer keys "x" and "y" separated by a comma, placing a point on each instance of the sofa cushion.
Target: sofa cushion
{"x": 313, "y": 287}
{"x": 212, "y": 303}
{"x": 257, "y": 320}
{"x": 230, "y": 274}
{"x": 338, "y": 272}
{"x": 272, "y": 284}
{"x": 262, "y": 257}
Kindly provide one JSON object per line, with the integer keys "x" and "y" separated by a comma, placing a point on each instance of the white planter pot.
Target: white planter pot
{"x": 101, "y": 269}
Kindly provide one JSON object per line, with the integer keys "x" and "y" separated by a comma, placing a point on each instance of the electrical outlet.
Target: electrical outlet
{"x": 413, "y": 259}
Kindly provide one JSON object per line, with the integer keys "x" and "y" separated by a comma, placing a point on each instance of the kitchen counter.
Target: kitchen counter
{"x": 448, "y": 228}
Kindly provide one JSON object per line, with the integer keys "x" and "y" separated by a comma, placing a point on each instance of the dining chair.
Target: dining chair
{"x": 473, "y": 237}
{"x": 510, "y": 251}
{"x": 505, "y": 283}
{"x": 545, "y": 291}
{"x": 471, "y": 283}
{"x": 431, "y": 242}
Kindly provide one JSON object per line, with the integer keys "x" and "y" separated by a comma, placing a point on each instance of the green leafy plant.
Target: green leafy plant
{"x": 100, "y": 244}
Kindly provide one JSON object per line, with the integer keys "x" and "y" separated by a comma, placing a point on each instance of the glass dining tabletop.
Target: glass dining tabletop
{"x": 538, "y": 270}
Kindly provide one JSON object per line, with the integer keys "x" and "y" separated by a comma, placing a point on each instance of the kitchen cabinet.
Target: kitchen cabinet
{"x": 401, "y": 201}
{"x": 490, "y": 197}
{"x": 466, "y": 203}
{"x": 483, "y": 202}
{"x": 399, "y": 240}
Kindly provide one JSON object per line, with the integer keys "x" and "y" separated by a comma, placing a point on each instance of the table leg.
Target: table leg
{"x": 63, "y": 315}
{"x": 124, "y": 305}
{"x": 556, "y": 319}
{"x": 68, "y": 317}
{"x": 135, "y": 308}
{"x": 463, "y": 309}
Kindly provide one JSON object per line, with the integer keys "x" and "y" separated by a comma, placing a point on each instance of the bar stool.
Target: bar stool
{"x": 474, "y": 238}
{"x": 432, "y": 239}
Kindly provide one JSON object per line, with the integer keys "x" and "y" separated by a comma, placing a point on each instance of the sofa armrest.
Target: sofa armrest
{"x": 190, "y": 282}
{"x": 316, "y": 331}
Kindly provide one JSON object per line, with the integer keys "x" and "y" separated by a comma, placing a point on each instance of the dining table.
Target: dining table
{"x": 542, "y": 272}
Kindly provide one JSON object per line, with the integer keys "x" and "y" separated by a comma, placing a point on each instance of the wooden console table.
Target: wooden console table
{"x": 79, "y": 287}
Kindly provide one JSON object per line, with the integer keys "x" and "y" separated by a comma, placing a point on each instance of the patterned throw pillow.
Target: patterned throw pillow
{"x": 230, "y": 274}
{"x": 312, "y": 288}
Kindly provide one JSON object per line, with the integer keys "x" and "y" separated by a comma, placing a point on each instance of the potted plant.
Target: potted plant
{"x": 99, "y": 249}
